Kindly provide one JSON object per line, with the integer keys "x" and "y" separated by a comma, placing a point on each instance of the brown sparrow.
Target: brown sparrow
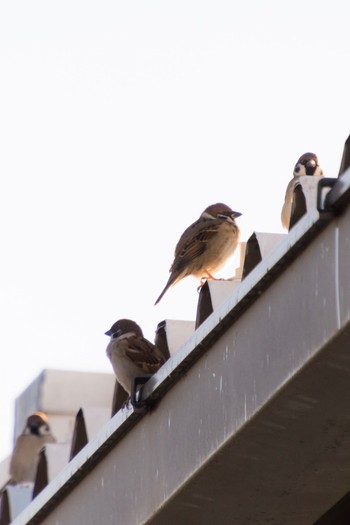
{"x": 131, "y": 355}
{"x": 307, "y": 165}
{"x": 205, "y": 246}
{"x": 25, "y": 456}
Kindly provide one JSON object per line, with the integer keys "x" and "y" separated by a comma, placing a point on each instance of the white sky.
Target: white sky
{"x": 119, "y": 123}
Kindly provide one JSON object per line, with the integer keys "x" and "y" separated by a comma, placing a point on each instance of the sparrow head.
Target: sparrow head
{"x": 37, "y": 425}
{"x": 308, "y": 165}
{"x": 124, "y": 326}
{"x": 220, "y": 211}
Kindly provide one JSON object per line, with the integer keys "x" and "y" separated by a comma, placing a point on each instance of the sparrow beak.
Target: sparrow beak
{"x": 310, "y": 167}
{"x": 109, "y": 333}
{"x": 235, "y": 214}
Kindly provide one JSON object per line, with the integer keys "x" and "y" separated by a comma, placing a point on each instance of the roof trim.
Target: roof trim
{"x": 260, "y": 278}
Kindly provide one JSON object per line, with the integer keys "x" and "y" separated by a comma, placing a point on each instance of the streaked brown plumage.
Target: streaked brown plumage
{"x": 307, "y": 165}
{"x": 131, "y": 355}
{"x": 25, "y": 456}
{"x": 205, "y": 246}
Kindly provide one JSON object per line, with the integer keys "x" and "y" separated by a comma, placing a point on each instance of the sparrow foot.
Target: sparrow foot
{"x": 126, "y": 404}
{"x": 208, "y": 278}
{"x": 201, "y": 283}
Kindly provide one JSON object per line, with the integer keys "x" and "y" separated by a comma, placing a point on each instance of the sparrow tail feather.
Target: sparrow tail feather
{"x": 163, "y": 292}
{"x": 173, "y": 279}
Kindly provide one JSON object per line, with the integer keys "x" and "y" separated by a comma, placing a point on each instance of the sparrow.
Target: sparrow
{"x": 307, "y": 165}
{"x": 205, "y": 246}
{"x": 131, "y": 355}
{"x": 25, "y": 456}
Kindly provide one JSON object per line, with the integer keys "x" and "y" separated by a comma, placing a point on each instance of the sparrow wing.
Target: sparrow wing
{"x": 288, "y": 202}
{"x": 144, "y": 354}
{"x": 193, "y": 242}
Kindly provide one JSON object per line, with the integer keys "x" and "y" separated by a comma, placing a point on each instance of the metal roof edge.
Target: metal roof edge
{"x": 208, "y": 332}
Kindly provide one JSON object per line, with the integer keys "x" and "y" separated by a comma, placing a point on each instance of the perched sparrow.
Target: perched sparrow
{"x": 132, "y": 356}
{"x": 205, "y": 246}
{"x": 25, "y": 455}
{"x": 306, "y": 165}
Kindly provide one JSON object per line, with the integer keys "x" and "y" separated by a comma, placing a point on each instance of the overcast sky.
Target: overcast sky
{"x": 119, "y": 123}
